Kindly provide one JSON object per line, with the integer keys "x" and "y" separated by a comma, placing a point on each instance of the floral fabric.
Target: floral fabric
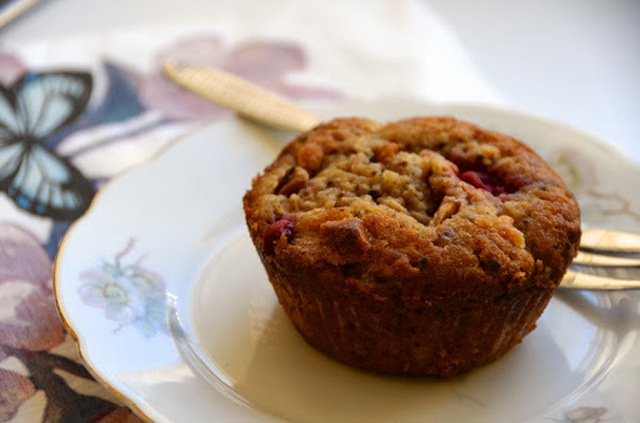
{"x": 58, "y": 132}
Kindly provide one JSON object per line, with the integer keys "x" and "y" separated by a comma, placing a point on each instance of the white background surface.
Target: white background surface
{"x": 575, "y": 61}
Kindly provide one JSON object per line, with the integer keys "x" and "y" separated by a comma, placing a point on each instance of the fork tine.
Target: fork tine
{"x": 610, "y": 243}
{"x": 608, "y": 260}
{"x": 611, "y": 252}
{"x": 590, "y": 259}
{"x": 579, "y": 280}
{"x": 628, "y": 272}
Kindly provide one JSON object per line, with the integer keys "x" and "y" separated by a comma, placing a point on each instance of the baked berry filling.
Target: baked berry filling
{"x": 274, "y": 232}
{"x": 484, "y": 181}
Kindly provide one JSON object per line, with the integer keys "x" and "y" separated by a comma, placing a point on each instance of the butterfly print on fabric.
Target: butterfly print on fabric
{"x": 31, "y": 173}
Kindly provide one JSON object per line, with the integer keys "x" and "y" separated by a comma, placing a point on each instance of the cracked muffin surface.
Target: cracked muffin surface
{"x": 426, "y": 246}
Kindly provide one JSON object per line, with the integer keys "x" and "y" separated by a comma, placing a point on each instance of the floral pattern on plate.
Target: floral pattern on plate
{"x": 127, "y": 292}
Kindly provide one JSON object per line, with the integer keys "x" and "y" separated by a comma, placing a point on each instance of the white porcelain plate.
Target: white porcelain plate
{"x": 162, "y": 289}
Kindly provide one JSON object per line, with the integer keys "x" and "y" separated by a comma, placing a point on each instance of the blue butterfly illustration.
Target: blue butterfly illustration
{"x": 31, "y": 172}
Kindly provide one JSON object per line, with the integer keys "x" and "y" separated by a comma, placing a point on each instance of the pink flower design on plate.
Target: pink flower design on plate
{"x": 127, "y": 292}
{"x": 585, "y": 414}
{"x": 265, "y": 63}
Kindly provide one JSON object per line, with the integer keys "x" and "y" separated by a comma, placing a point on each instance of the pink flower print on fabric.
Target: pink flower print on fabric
{"x": 11, "y": 67}
{"x": 29, "y": 323}
{"x": 15, "y": 389}
{"x": 29, "y": 320}
{"x": 266, "y": 63}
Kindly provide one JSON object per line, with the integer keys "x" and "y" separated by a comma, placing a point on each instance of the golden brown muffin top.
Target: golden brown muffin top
{"x": 415, "y": 208}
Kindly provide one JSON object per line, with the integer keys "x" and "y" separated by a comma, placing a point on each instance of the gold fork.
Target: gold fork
{"x": 608, "y": 260}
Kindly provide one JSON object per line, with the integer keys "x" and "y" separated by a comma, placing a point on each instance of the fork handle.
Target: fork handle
{"x": 241, "y": 96}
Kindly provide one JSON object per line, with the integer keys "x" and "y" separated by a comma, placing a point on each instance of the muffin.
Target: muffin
{"x": 422, "y": 247}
